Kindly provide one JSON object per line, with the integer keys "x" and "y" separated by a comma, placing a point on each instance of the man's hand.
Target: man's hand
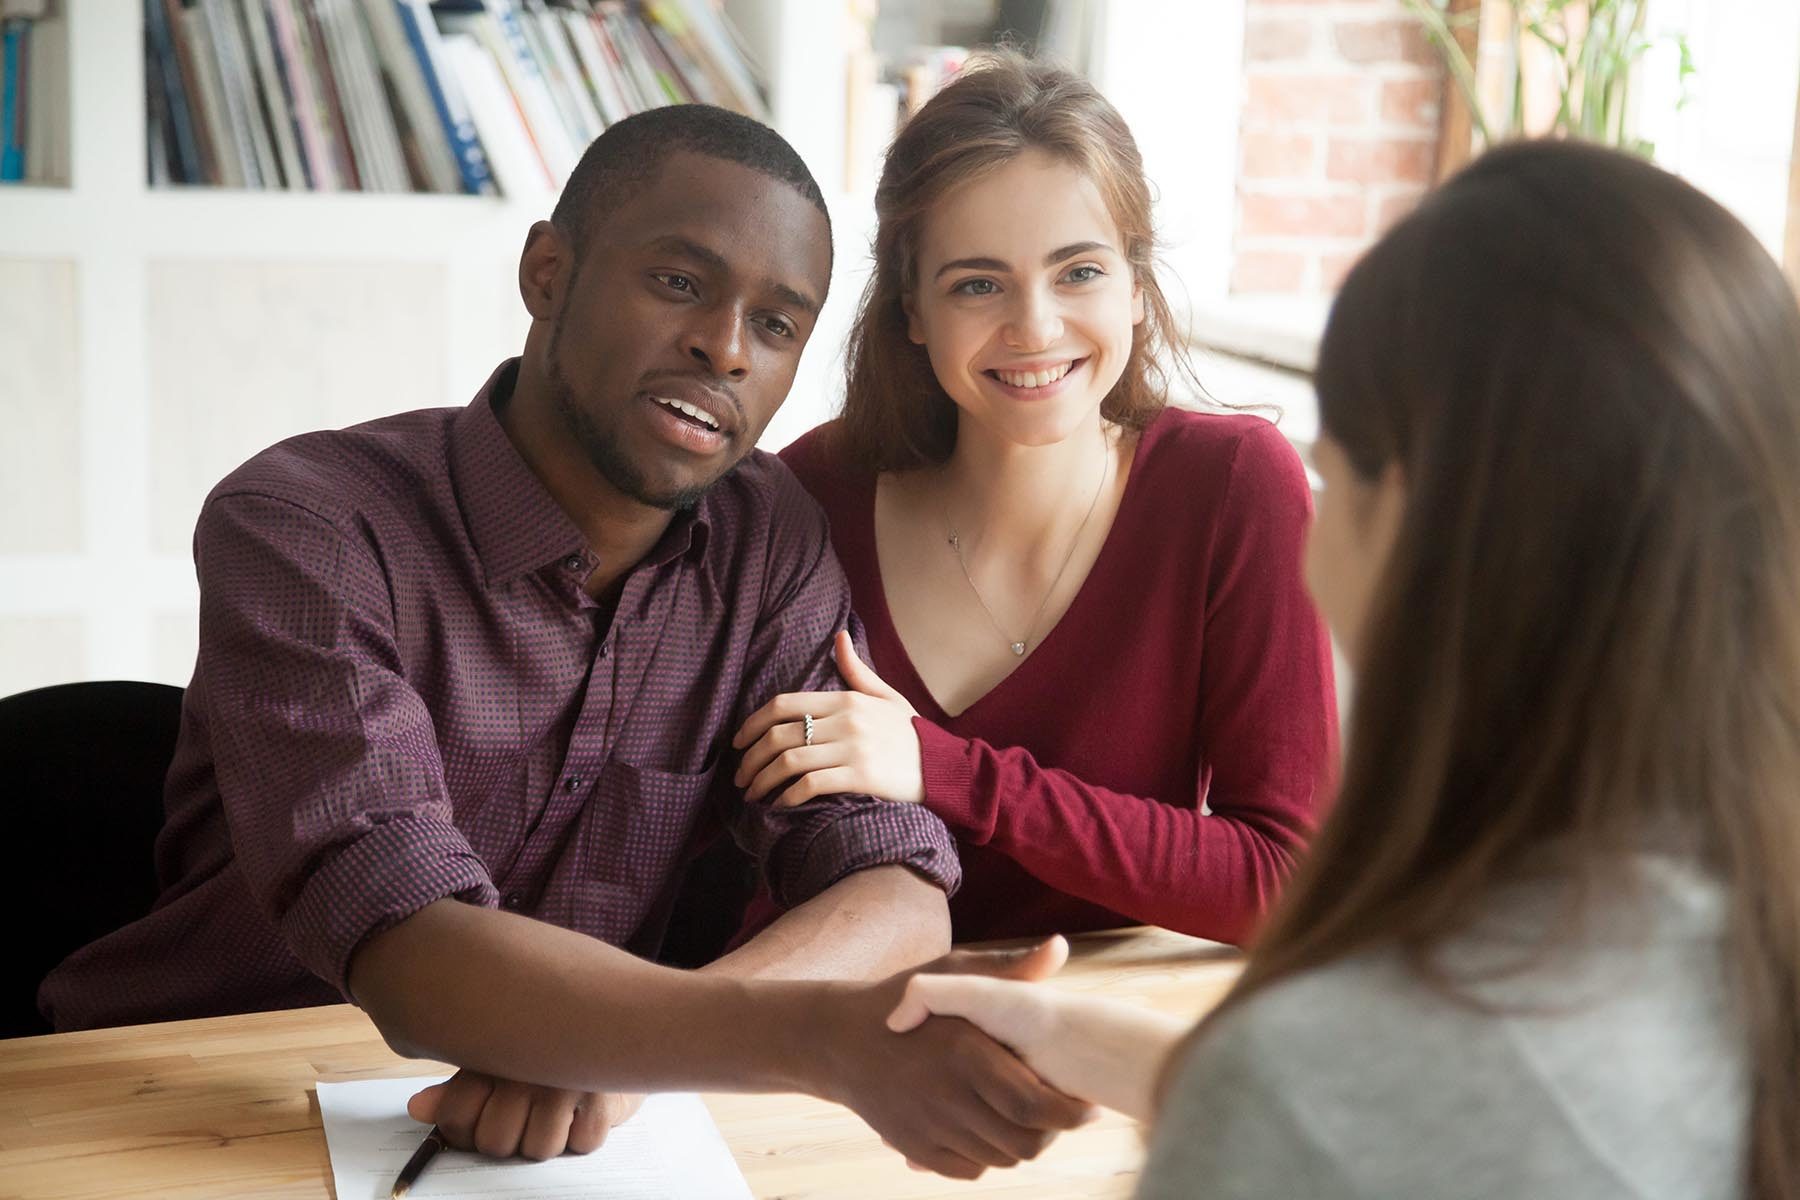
{"x": 500, "y": 1118}
{"x": 1100, "y": 1050}
{"x": 944, "y": 1094}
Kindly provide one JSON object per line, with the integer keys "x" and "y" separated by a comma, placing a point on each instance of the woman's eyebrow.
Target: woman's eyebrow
{"x": 994, "y": 264}
{"x": 1072, "y": 249}
{"x": 971, "y": 264}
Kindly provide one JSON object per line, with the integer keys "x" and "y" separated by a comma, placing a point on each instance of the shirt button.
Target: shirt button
{"x": 572, "y": 563}
{"x": 605, "y": 649}
{"x": 572, "y": 783}
{"x": 513, "y": 900}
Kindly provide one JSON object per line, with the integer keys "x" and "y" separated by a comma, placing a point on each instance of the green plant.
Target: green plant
{"x": 1594, "y": 49}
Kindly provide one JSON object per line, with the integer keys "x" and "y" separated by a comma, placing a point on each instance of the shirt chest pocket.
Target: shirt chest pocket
{"x": 636, "y": 824}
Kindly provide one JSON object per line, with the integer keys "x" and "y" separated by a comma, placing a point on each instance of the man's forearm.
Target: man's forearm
{"x": 522, "y": 999}
{"x": 867, "y": 925}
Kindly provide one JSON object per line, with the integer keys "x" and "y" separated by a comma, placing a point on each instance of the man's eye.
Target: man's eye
{"x": 779, "y": 327}
{"x": 975, "y": 287}
{"x": 679, "y": 283}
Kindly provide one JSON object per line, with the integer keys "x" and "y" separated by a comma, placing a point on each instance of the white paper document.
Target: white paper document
{"x": 670, "y": 1150}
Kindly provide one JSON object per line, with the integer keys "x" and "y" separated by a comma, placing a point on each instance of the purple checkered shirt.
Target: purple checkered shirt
{"x": 404, "y": 694}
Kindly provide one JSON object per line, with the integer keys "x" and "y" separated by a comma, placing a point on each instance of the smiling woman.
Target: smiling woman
{"x": 1089, "y": 648}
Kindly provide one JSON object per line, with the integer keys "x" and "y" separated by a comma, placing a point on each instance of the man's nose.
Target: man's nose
{"x": 720, "y": 340}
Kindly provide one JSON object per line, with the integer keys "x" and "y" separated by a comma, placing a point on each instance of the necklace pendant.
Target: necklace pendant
{"x": 1018, "y": 648}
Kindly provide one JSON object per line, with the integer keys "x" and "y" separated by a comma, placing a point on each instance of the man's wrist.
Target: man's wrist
{"x": 803, "y": 1030}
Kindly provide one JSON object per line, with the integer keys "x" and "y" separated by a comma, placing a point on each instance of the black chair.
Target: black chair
{"x": 83, "y": 767}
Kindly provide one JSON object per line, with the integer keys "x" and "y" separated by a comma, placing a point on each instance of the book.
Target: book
{"x": 525, "y": 75}
{"x": 552, "y": 42}
{"x": 14, "y": 64}
{"x": 372, "y": 103}
{"x": 47, "y": 101}
{"x": 546, "y": 135}
{"x": 447, "y": 97}
{"x": 163, "y": 72}
{"x": 630, "y": 54}
{"x": 312, "y": 111}
{"x": 363, "y": 94}
{"x": 422, "y": 127}
{"x": 188, "y": 67}
{"x": 635, "y": 101}
{"x": 349, "y": 103}
{"x": 512, "y": 154}
{"x": 243, "y": 108}
{"x": 716, "y": 44}
{"x": 272, "y": 92}
{"x": 227, "y": 156}
{"x": 601, "y": 78}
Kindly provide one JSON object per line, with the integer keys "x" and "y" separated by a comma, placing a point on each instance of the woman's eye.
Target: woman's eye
{"x": 975, "y": 287}
{"x": 1084, "y": 274}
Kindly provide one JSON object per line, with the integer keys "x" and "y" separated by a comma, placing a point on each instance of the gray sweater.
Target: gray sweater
{"x": 1617, "y": 1069}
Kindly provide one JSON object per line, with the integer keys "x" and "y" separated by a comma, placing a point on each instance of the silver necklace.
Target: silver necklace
{"x": 1019, "y": 647}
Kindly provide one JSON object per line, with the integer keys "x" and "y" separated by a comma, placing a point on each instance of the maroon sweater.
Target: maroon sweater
{"x": 1163, "y": 754}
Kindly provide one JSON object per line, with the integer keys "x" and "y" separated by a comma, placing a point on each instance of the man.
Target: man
{"x": 463, "y": 682}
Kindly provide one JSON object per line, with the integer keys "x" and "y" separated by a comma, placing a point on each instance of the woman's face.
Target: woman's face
{"x": 1024, "y": 299}
{"x": 1354, "y": 525}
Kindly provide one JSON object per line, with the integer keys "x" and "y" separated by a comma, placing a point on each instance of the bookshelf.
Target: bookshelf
{"x": 153, "y": 338}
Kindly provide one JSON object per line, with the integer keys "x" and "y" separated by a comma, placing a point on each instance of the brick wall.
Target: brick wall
{"x": 1339, "y": 137}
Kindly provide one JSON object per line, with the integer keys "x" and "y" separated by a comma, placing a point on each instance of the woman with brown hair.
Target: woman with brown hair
{"x": 1092, "y": 653}
{"x": 1548, "y": 943}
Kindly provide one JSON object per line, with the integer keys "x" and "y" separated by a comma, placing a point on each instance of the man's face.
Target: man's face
{"x": 678, "y": 336}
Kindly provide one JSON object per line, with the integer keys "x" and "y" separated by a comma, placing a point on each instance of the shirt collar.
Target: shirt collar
{"x": 515, "y": 524}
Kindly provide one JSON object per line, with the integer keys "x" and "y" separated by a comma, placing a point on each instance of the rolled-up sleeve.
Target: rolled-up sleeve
{"x": 806, "y": 849}
{"x": 326, "y": 758}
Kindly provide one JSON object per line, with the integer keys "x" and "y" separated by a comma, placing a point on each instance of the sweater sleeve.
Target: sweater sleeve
{"x": 1211, "y": 862}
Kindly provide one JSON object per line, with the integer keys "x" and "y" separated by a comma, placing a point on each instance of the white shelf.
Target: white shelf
{"x": 217, "y": 223}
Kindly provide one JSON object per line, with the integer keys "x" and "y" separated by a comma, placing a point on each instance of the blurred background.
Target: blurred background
{"x": 223, "y": 222}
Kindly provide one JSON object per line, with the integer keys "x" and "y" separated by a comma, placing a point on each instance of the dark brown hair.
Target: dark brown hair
{"x": 896, "y": 415}
{"x": 1586, "y": 633}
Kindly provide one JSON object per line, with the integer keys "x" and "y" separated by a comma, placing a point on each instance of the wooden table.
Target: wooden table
{"x": 225, "y": 1107}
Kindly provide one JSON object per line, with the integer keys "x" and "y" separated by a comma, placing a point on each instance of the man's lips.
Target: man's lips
{"x": 698, "y": 401}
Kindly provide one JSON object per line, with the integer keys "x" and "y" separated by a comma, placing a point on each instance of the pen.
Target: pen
{"x": 415, "y": 1166}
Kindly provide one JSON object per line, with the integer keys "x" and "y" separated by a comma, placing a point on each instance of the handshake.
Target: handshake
{"x": 960, "y": 1065}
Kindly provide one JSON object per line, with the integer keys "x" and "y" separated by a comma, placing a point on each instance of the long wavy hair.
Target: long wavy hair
{"x": 896, "y": 414}
{"x": 1586, "y": 634}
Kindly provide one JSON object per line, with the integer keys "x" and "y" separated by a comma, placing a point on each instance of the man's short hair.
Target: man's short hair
{"x": 630, "y": 153}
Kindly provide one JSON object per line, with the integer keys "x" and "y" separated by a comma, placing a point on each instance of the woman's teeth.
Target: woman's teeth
{"x": 688, "y": 410}
{"x": 1033, "y": 379}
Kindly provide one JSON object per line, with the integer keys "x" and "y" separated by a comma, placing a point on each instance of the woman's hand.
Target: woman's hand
{"x": 1097, "y": 1050}
{"x": 863, "y": 741}
{"x": 945, "y": 1095}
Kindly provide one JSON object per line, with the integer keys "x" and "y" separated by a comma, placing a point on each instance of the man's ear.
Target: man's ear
{"x": 544, "y": 270}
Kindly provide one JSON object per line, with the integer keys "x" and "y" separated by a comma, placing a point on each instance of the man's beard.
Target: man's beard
{"x": 603, "y": 450}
